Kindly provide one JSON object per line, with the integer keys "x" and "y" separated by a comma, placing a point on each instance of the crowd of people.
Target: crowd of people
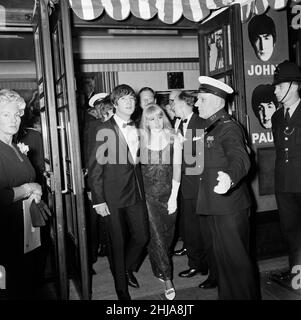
{"x": 156, "y": 171}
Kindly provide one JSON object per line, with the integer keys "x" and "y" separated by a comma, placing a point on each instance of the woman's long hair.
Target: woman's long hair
{"x": 153, "y": 110}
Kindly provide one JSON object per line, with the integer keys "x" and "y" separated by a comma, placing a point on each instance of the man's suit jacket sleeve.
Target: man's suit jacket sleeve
{"x": 96, "y": 174}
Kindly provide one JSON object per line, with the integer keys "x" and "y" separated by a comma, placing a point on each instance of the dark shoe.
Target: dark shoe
{"x": 123, "y": 295}
{"x": 208, "y": 284}
{"x": 281, "y": 276}
{"x": 180, "y": 252}
{"x": 204, "y": 272}
{"x": 132, "y": 281}
{"x": 188, "y": 273}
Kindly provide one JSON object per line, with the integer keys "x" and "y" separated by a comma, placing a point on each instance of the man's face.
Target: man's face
{"x": 178, "y": 107}
{"x": 264, "y": 46}
{"x": 88, "y": 86}
{"x": 146, "y": 97}
{"x": 266, "y": 110}
{"x": 285, "y": 91}
{"x": 125, "y": 106}
{"x": 206, "y": 104}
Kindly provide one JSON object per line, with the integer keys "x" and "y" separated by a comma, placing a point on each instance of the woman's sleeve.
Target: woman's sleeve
{"x": 6, "y": 193}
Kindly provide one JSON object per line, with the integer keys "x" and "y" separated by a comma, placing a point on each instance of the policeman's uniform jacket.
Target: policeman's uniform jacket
{"x": 287, "y": 139}
{"x": 224, "y": 150}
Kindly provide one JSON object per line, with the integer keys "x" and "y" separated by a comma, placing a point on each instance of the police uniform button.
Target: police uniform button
{"x": 286, "y": 149}
{"x": 200, "y": 178}
{"x": 286, "y": 138}
{"x": 286, "y": 128}
{"x": 286, "y": 161}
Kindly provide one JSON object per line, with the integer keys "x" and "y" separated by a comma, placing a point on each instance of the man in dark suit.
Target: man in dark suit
{"x": 187, "y": 125}
{"x": 223, "y": 195}
{"x": 117, "y": 190}
{"x": 286, "y": 126}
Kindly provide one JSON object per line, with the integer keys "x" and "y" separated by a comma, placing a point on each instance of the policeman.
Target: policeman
{"x": 286, "y": 127}
{"x": 223, "y": 196}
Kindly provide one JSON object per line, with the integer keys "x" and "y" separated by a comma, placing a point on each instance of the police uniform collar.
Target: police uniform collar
{"x": 221, "y": 114}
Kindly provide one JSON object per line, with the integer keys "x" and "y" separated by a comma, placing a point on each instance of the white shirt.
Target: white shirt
{"x": 292, "y": 108}
{"x": 130, "y": 134}
{"x": 185, "y": 124}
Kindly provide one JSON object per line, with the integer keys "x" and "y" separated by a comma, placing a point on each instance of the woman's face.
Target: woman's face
{"x": 10, "y": 118}
{"x": 155, "y": 122}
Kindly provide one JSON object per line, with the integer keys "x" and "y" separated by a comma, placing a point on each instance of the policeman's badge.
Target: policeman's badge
{"x": 209, "y": 141}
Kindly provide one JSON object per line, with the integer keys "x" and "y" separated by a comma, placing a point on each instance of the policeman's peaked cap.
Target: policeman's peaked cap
{"x": 216, "y": 87}
{"x": 97, "y": 97}
{"x": 287, "y": 71}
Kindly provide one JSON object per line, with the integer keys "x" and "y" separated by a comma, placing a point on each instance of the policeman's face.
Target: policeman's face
{"x": 264, "y": 46}
{"x": 266, "y": 110}
{"x": 285, "y": 92}
{"x": 207, "y": 104}
{"x": 146, "y": 97}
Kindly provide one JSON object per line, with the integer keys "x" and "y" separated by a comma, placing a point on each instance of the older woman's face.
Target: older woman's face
{"x": 10, "y": 118}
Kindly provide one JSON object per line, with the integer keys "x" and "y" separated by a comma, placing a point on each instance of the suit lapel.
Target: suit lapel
{"x": 122, "y": 144}
{"x": 296, "y": 115}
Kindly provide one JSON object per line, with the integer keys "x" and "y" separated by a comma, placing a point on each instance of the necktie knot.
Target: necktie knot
{"x": 130, "y": 123}
{"x": 287, "y": 115}
{"x": 181, "y": 130}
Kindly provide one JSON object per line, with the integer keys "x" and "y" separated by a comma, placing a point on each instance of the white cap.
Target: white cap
{"x": 97, "y": 96}
{"x": 214, "y": 86}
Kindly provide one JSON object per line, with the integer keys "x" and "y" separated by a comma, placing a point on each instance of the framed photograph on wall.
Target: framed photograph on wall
{"x": 175, "y": 80}
{"x": 215, "y": 48}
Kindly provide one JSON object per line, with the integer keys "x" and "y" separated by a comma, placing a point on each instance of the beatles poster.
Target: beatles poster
{"x": 265, "y": 46}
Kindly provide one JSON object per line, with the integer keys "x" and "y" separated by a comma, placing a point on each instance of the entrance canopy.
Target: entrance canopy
{"x": 169, "y": 11}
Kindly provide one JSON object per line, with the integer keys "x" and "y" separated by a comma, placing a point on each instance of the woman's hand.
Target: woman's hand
{"x": 172, "y": 204}
{"x": 36, "y": 197}
{"x": 35, "y": 188}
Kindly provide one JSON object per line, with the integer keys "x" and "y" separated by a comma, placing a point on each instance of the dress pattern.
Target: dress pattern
{"x": 157, "y": 172}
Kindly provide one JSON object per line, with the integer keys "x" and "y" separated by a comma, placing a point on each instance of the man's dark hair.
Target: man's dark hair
{"x": 264, "y": 93}
{"x": 187, "y": 97}
{"x": 261, "y": 24}
{"x": 146, "y": 89}
{"x": 121, "y": 91}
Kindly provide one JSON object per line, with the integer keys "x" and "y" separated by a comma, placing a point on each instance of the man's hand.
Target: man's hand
{"x": 102, "y": 209}
{"x": 224, "y": 183}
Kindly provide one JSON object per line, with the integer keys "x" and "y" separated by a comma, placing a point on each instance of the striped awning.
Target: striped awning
{"x": 169, "y": 11}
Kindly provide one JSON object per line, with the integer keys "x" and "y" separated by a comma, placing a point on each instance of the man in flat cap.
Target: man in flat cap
{"x": 262, "y": 35}
{"x": 223, "y": 195}
{"x": 286, "y": 127}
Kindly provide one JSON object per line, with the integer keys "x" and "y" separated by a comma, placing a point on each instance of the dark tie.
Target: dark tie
{"x": 130, "y": 123}
{"x": 287, "y": 115}
{"x": 180, "y": 129}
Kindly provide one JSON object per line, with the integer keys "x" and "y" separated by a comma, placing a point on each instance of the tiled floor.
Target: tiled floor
{"x": 186, "y": 289}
